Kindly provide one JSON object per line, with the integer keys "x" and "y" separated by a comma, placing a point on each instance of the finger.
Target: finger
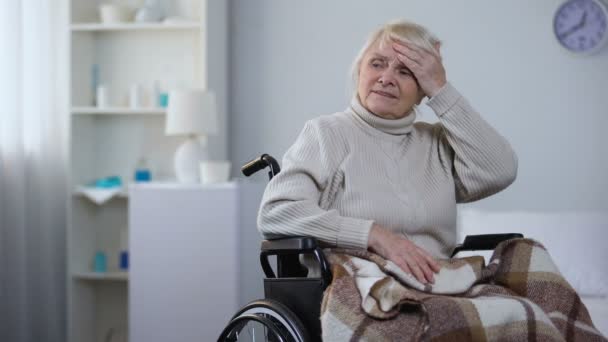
{"x": 407, "y": 52}
{"x": 403, "y": 48}
{"x": 409, "y": 62}
{"x": 423, "y": 52}
{"x": 412, "y": 47}
{"x": 426, "y": 269}
{"x": 419, "y": 51}
{"x": 398, "y": 46}
{"x": 430, "y": 260}
{"x": 416, "y": 269}
{"x": 434, "y": 264}
{"x": 403, "y": 265}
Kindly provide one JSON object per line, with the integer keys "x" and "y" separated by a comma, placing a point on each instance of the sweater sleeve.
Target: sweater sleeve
{"x": 483, "y": 161}
{"x": 290, "y": 205}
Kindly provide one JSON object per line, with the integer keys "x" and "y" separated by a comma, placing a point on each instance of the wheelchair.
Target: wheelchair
{"x": 290, "y": 311}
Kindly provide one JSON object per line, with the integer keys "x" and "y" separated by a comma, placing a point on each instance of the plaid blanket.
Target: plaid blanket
{"x": 519, "y": 296}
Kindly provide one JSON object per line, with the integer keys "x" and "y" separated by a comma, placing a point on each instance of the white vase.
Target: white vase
{"x": 151, "y": 12}
{"x": 187, "y": 160}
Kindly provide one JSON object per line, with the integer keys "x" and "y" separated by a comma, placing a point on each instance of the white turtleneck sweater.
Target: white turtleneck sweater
{"x": 350, "y": 169}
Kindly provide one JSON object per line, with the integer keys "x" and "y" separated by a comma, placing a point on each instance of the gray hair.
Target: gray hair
{"x": 397, "y": 30}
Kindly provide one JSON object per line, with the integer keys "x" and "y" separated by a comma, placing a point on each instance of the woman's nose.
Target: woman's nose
{"x": 386, "y": 78}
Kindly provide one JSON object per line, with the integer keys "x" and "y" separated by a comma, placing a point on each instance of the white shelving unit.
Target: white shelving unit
{"x": 110, "y": 141}
{"x": 117, "y": 111}
{"x": 135, "y": 26}
{"x": 109, "y": 276}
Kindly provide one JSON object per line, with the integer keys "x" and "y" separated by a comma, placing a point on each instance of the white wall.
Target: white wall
{"x": 290, "y": 62}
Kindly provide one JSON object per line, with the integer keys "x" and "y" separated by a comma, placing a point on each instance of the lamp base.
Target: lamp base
{"x": 187, "y": 160}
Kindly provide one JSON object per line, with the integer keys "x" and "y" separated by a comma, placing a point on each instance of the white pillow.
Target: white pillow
{"x": 577, "y": 241}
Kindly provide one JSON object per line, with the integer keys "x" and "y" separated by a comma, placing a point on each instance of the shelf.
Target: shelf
{"x": 100, "y": 195}
{"x": 98, "y": 27}
{"x": 175, "y": 185}
{"x": 96, "y": 276}
{"x": 117, "y": 111}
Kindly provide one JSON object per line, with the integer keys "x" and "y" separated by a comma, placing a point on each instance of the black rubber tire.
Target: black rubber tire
{"x": 291, "y": 323}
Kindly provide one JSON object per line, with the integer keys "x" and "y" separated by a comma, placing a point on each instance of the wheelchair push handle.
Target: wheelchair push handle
{"x": 260, "y": 163}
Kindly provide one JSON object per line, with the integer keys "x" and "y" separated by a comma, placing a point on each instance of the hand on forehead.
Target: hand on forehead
{"x": 385, "y": 53}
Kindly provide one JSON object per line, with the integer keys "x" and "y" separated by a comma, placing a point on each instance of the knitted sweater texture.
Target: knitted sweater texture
{"x": 350, "y": 169}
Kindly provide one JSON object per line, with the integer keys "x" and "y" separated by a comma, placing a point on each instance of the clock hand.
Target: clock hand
{"x": 584, "y": 19}
{"x": 576, "y": 27}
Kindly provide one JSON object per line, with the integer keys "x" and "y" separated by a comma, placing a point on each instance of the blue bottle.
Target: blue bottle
{"x": 100, "y": 262}
{"x": 164, "y": 100}
{"x": 124, "y": 260}
{"x": 142, "y": 172}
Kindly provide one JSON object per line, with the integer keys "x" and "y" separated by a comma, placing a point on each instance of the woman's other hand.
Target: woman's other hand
{"x": 426, "y": 66}
{"x": 403, "y": 252}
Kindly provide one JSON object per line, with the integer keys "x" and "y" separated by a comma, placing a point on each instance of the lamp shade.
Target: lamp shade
{"x": 191, "y": 112}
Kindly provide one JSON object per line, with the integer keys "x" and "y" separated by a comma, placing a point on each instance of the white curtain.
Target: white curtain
{"x": 33, "y": 171}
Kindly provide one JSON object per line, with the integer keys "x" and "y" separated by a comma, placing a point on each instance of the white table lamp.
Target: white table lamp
{"x": 191, "y": 113}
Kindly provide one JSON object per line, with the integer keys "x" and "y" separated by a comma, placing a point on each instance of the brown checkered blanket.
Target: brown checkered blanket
{"x": 519, "y": 296}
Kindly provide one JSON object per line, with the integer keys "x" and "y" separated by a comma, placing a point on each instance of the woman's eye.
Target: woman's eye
{"x": 405, "y": 72}
{"x": 376, "y": 64}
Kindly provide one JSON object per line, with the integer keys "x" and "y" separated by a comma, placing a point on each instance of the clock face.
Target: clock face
{"x": 580, "y": 25}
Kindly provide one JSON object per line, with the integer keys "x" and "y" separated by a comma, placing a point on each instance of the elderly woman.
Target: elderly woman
{"x": 370, "y": 177}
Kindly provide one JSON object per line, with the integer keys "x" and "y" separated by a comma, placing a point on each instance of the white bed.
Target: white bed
{"x": 577, "y": 242}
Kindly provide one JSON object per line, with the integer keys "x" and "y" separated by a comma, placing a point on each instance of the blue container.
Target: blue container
{"x": 108, "y": 182}
{"x": 142, "y": 175}
{"x": 124, "y": 260}
{"x": 142, "y": 171}
{"x": 163, "y": 100}
{"x": 100, "y": 263}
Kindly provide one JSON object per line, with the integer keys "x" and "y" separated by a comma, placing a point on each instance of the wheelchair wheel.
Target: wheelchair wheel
{"x": 265, "y": 320}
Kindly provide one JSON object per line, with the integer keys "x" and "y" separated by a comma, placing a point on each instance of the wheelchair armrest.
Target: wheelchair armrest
{"x": 295, "y": 245}
{"x": 484, "y": 242}
{"x": 289, "y": 248}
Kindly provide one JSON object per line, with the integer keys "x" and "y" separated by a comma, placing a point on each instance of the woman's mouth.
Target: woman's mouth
{"x": 385, "y": 94}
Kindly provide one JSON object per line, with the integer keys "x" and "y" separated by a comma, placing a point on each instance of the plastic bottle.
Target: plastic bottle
{"x": 142, "y": 171}
{"x": 100, "y": 264}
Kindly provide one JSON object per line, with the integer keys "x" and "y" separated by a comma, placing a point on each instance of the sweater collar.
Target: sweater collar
{"x": 390, "y": 126}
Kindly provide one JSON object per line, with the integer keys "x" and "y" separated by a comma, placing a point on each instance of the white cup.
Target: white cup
{"x": 101, "y": 96}
{"x": 114, "y": 13}
{"x": 214, "y": 171}
{"x": 135, "y": 96}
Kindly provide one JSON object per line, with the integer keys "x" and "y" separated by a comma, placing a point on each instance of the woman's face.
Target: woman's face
{"x": 386, "y": 86}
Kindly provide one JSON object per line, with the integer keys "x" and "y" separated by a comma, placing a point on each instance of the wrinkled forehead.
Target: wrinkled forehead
{"x": 381, "y": 49}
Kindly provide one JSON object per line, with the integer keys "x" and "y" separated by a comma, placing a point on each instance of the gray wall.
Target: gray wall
{"x": 290, "y": 62}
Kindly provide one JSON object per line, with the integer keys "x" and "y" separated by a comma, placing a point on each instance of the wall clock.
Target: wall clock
{"x": 580, "y": 25}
